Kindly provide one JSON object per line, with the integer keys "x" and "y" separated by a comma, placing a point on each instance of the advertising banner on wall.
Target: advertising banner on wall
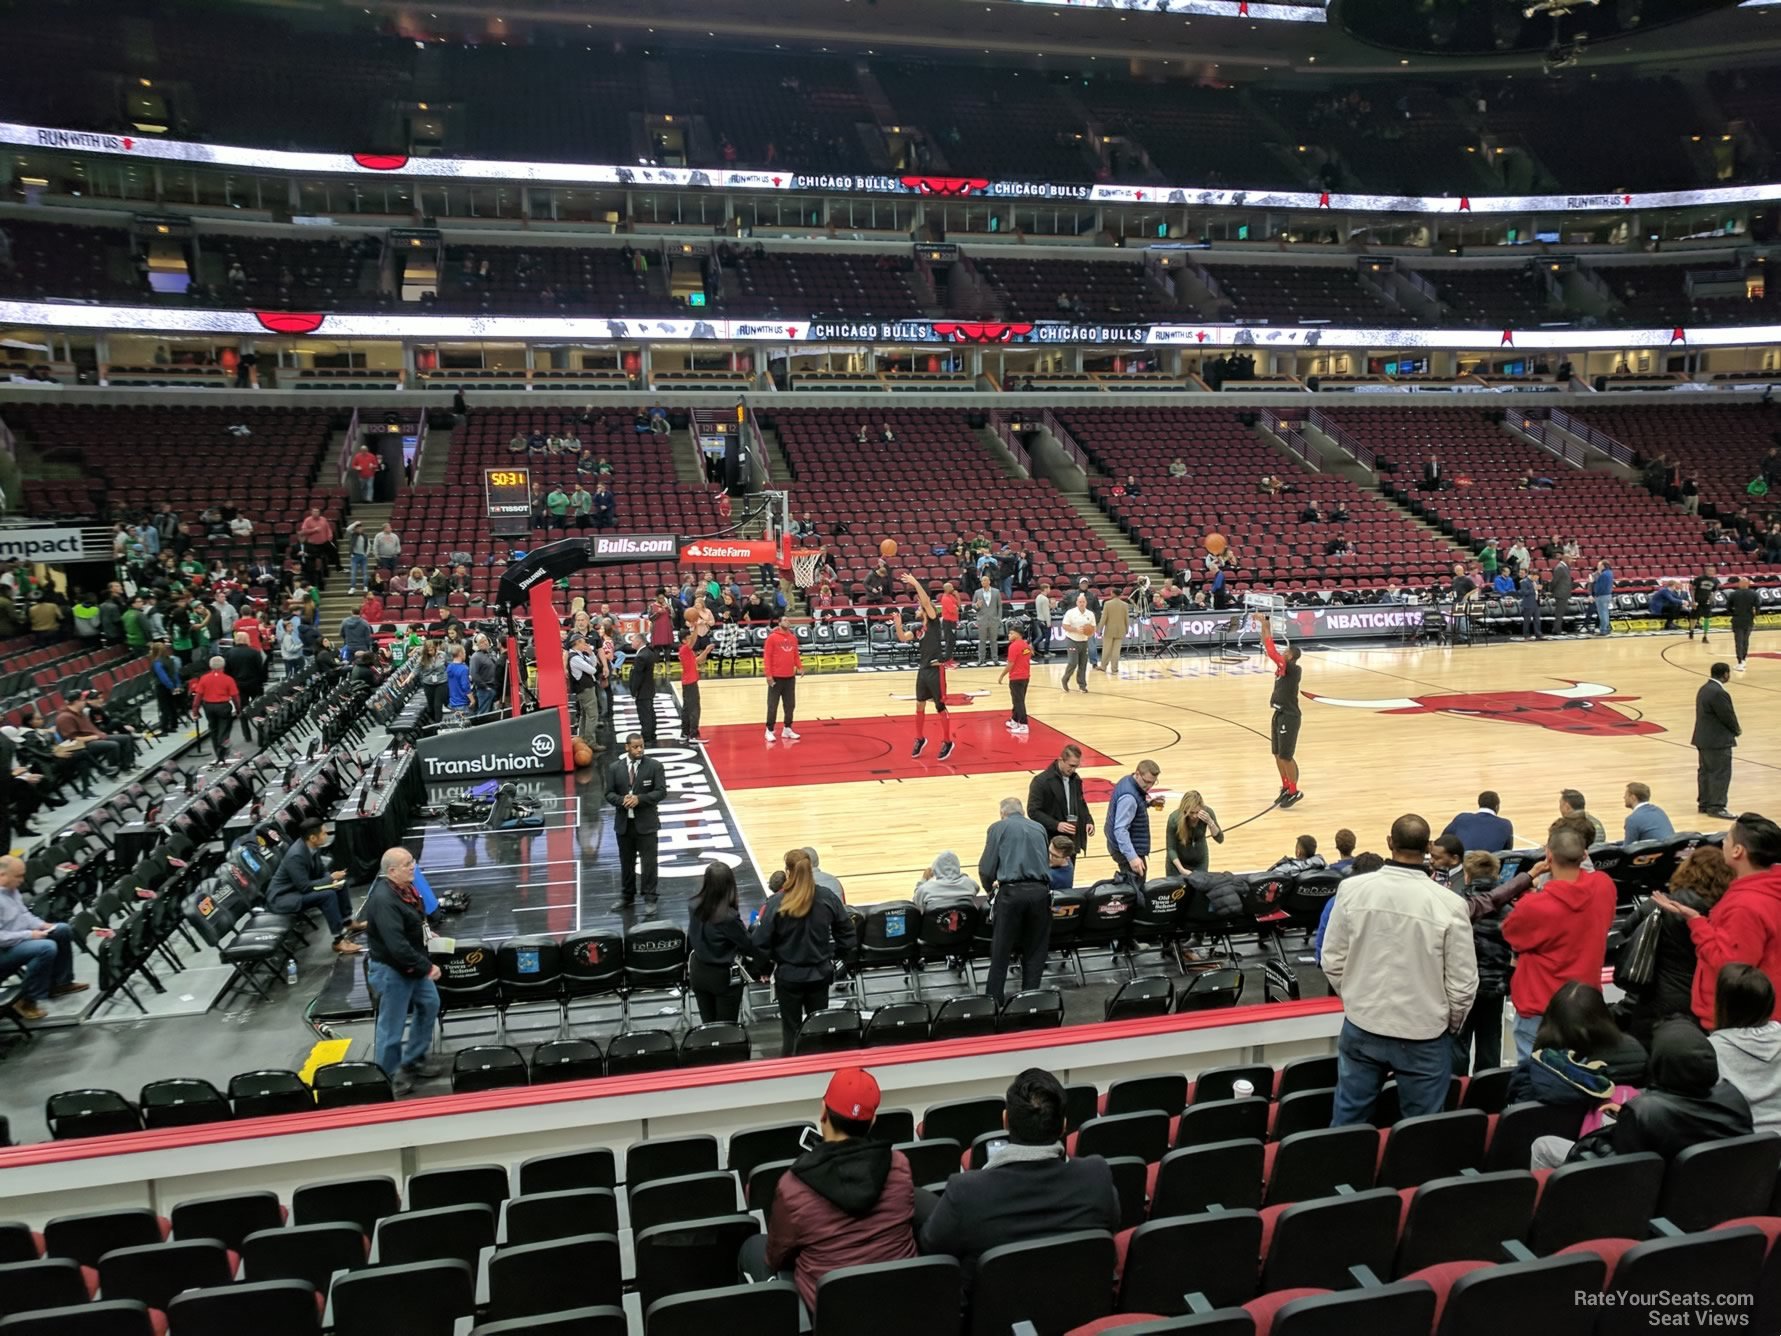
{"x": 1336, "y": 622}
{"x": 729, "y": 552}
{"x": 529, "y": 744}
{"x": 599, "y": 331}
{"x": 927, "y": 185}
{"x": 53, "y": 543}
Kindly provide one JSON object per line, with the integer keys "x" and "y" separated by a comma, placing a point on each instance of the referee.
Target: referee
{"x": 1284, "y": 734}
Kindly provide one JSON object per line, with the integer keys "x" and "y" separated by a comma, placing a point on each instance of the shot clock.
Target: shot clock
{"x": 508, "y": 492}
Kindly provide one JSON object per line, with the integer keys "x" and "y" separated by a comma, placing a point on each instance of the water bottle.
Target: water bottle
{"x": 290, "y": 972}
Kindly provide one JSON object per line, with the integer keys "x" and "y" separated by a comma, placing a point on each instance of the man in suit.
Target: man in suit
{"x": 643, "y": 687}
{"x": 1530, "y": 608}
{"x": 1558, "y": 584}
{"x": 1715, "y": 734}
{"x": 988, "y": 601}
{"x": 1485, "y": 828}
{"x": 635, "y": 786}
{"x": 1645, "y": 820}
{"x": 1116, "y": 620}
{"x": 247, "y": 666}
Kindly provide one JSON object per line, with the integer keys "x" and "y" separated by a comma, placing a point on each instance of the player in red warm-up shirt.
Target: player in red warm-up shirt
{"x": 783, "y": 665}
{"x": 1017, "y": 674}
{"x": 691, "y": 659}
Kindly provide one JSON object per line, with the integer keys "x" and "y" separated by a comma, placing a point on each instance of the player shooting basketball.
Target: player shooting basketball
{"x": 930, "y": 678}
{"x": 1284, "y": 734}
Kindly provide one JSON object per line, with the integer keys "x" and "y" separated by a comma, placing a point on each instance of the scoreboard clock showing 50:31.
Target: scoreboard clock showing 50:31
{"x": 507, "y": 493}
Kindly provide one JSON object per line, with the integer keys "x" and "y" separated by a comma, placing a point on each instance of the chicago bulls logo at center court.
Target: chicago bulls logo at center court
{"x": 1583, "y": 708}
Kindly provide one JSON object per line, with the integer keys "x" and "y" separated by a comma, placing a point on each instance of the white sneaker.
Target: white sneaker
{"x": 1740, "y": 665}
{"x": 769, "y": 735}
{"x": 788, "y": 733}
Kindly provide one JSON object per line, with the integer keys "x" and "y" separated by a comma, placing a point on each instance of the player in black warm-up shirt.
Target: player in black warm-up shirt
{"x": 1284, "y": 734}
{"x": 1702, "y": 588}
{"x": 1741, "y": 604}
{"x": 930, "y": 678}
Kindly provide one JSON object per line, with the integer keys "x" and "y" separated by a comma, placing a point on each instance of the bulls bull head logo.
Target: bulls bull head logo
{"x": 1582, "y": 708}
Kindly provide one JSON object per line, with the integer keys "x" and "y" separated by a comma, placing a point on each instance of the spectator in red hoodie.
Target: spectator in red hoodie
{"x": 848, "y": 1201}
{"x": 1744, "y": 926}
{"x": 1559, "y": 932}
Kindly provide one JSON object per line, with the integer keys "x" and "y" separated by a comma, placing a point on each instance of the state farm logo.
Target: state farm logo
{"x": 659, "y": 545}
{"x": 718, "y": 550}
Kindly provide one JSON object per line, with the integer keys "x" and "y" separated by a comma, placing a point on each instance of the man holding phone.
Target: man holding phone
{"x": 848, "y": 1200}
{"x": 44, "y": 951}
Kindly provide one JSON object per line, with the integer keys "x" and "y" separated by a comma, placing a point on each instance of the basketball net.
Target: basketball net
{"x": 805, "y": 565}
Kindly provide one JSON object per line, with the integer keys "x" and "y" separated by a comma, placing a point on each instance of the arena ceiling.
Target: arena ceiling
{"x": 1418, "y": 37}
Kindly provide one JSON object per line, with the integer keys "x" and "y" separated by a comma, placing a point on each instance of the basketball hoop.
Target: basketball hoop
{"x": 805, "y": 565}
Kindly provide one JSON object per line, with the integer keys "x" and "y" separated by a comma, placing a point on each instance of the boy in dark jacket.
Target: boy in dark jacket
{"x": 1684, "y": 1104}
{"x": 1031, "y": 1187}
{"x": 1482, "y": 1033}
{"x": 849, "y": 1201}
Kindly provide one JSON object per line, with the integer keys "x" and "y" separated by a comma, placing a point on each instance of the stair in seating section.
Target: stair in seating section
{"x": 1109, "y": 531}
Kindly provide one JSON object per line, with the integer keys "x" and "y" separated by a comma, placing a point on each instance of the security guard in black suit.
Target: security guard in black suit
{"x": 1716, "y": 732}
{"x": 643, "y": 690}
{"x": 635, "y": 785}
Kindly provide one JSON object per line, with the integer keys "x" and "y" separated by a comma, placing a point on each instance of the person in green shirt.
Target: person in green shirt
{"x": 135, "y": 628}
{"x": 86, "y": 616}
{"x": 200, "y": 630}
{"x": 179, "y": 628}
{"x": 713, "y": 590}
{"x": 557, "y": 503}
{"x": 581, "y": 501}
{"x": 191, "y": 567}
{"x": 1487, "y": 559}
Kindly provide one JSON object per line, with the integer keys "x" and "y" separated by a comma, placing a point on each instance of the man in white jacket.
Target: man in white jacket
{"x": 1399, "y": 953}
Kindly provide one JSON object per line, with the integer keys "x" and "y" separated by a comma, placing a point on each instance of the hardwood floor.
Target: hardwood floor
{"x": 1386, "y": 731}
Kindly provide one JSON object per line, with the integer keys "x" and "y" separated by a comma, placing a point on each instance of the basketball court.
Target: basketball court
{"x": 1386, "y": 731}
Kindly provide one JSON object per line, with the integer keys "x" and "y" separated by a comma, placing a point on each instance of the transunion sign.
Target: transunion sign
{"x": 790, "y": 179}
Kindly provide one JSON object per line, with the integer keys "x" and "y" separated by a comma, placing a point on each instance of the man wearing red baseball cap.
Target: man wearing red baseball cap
{"x": 848, "y": 1201}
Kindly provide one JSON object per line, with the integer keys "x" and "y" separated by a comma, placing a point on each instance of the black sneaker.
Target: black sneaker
{"x": 945, "y": 750}
{"x": 1292, "y": 799}
{"x": 427, "y": 1069}
{"x": 621, "y": 907}
{"x": 919, "y": 744}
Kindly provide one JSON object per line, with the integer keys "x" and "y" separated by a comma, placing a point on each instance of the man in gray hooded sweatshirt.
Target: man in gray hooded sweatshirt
{"x": 946, "y": 886}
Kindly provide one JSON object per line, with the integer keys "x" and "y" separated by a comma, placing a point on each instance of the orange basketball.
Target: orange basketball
{"x": 583, "y": 754}
{"x": 888, "y": 548}
{"x": 1216, "y": 544}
